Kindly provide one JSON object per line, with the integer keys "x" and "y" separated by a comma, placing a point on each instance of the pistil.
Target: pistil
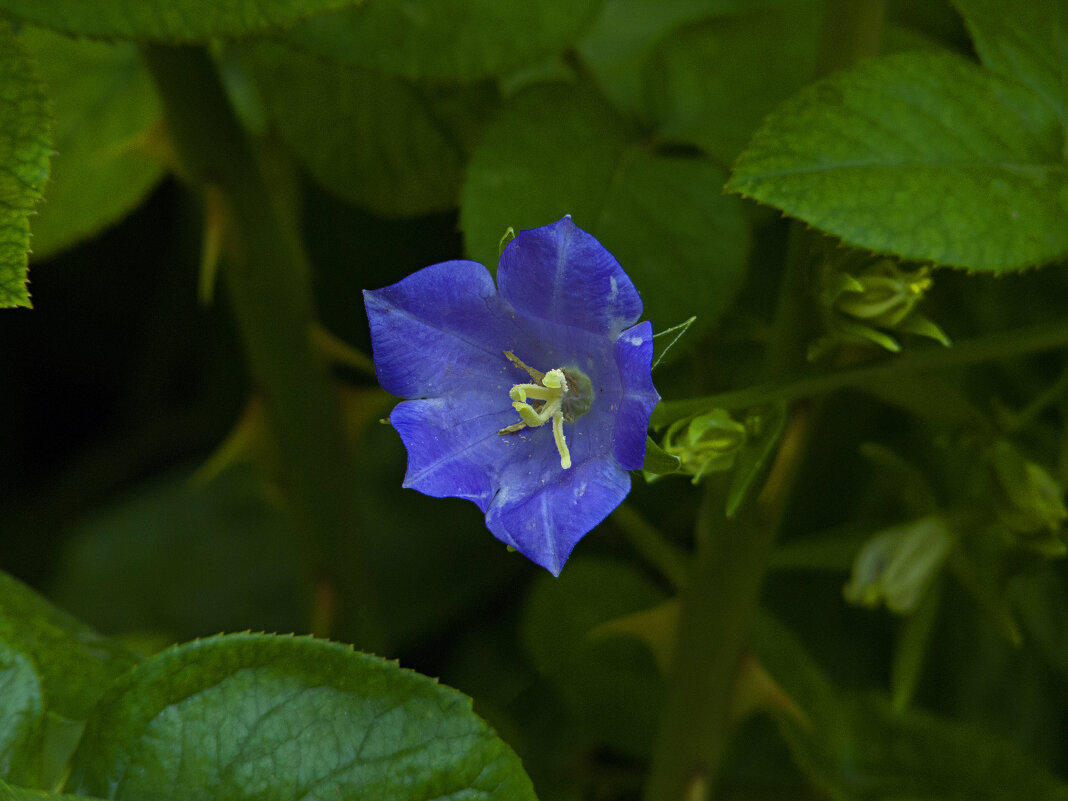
{"x": 548, "y": 391}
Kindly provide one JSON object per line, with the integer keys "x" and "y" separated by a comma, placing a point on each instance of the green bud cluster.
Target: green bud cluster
{"x": 707, "y": 443}
{"x": 871, "y": 303}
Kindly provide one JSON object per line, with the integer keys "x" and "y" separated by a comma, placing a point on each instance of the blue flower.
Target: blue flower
{"x": 530, "y": 398}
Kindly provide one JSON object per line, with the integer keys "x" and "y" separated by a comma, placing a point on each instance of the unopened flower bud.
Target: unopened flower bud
{"x": 870, "y": 303}
{"x": 707, "y": 443}
{"x": 1029, "y": 500}
{"x": 896, "y": 565}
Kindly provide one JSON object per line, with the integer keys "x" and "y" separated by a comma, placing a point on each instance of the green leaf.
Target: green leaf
{"x": 624, "y": 33}
{"x": 75, "y": 663}
{"x": 10, "y": 793}
{"x": 386, "y": 144}
{"x": 175, "y": 21}
{"x": 119, "y": 567}
{"x": 105, "y": 108}
{"x": 610, "y": 684}
{"x": 21, "y": 717}
{"x": 712, "y": 83}
{"x": 25, "y": 145}
{"x": 1025, "y": 41}
{"x": 922, "y": 155}
{"x": 556, "y": 149}
{"x": 452, "y": 40}
{"x": 256, "y": 716}
{"x": 856, "y": 747}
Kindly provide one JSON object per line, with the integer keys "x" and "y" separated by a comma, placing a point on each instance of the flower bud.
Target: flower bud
{"x": 706, "y": 443}
{"x": 896, "y": 565}
{"x": 870, "y": 303}
{"x": 1028, "y": 499}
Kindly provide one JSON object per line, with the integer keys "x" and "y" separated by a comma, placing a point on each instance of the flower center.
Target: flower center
{"x": 563, "y": 393}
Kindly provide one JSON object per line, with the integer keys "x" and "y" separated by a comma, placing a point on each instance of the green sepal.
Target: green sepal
{"x": 658, "y": 462}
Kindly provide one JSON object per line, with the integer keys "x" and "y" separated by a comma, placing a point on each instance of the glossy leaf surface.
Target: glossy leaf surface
{"x": 923, "y": 155}
{"x": 255, "y": 716}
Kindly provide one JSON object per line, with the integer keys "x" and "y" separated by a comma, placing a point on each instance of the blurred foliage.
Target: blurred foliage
{"x": 394, "y": 134}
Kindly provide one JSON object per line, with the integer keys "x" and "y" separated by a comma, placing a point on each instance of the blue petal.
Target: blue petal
{"x": 545, "y": 524}
{"x": 634, "y": 355}
{"x": 439, "y": 330}
{"x": 453, "y": 446}
{"x": 562, "y": 274}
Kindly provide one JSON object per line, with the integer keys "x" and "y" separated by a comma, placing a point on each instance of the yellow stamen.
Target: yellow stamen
{"x": 548, "y": 391}
{"x": 561, "y": 443}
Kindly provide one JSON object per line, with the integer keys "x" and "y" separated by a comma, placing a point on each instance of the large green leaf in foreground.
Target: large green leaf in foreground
{"x": 167, "y": 20}
{"x": 557, "y": 150}
{"x": 923, "y": 155}
{"x": 261, "y": 716}
{"x": 25, "y": 144}
{"x": 75, "y": 663}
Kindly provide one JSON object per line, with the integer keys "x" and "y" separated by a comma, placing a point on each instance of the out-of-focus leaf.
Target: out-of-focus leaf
{"x": 105, "y": 110}
{"x": 75, "y": 663}
{"x": 610, "y": 684}
{"x": 625, "y": 32}
{"x": 391, "y": 146}
{"x": 1025, "y": 41}
{"x": 1041, "y": 601}
{"x": 444, "y": 566}
{"x": 712, "y": 83}
{"x": 453, "y": 40}
{"x": 922, "y": 155}
{"x": 186, "y": 21}
{"x": 164, "y": 558}
{"x": 557, "y": 150}
{"x": 857, "y": 747}
{"x": 25, "y": 145}
{"x": 254, "y": 715}
{"x": 11, "y": 793}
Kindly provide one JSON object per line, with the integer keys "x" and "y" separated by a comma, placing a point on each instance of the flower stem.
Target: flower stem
{"x": 718, "y": 602}
{"x": 268, "y": 284}
{"x": 732, "y": 554}
{"x": 668, "y": 559}
{"x": 989, "y": 347}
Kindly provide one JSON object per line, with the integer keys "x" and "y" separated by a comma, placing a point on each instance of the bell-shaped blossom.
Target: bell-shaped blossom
{"x": 530, "y": 398}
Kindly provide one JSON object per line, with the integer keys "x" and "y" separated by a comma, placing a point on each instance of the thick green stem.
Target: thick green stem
{"x": 267, "y": 276}
{"x": 732, "y": 556}
{"x": 718, "y": 603}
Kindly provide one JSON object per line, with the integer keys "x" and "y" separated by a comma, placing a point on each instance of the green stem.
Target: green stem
{"x": 267, "y": 277}
{"x": 990, "y": 347}
{"x": 717, "y": 606}
{"x": 654, "y": 547}
{"x": 732, "y": 556}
